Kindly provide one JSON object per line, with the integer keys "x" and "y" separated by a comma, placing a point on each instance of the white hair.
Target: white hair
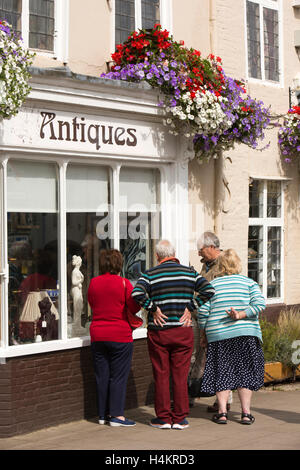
{"x": 208, "y": 239}
{"x": 164, "y": 249}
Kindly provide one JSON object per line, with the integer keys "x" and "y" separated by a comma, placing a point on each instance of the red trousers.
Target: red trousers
{"x": 170, "y": 352}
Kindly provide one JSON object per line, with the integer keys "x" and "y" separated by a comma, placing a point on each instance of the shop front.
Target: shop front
{"x": 87, "y": 164}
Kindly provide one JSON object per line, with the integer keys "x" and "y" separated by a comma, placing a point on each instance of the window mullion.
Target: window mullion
{"x": 62, "y": 252}
{"x": 25, "y": 22}
{"x": 115, "y": 209}
{"x": 138, "y": 14}
{"x": 265, "y": 241}
{"x": 4, "y": 338}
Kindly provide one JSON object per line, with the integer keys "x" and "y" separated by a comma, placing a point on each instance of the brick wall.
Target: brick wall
{"x": 48, "y": 389}
{"x": 272, "y": 311}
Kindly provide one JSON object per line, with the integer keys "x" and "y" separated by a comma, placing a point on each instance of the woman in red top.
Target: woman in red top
{"x": 111, "y": 337}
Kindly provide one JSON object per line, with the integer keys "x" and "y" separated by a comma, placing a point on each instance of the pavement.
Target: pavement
{"x": 277, "y": 427}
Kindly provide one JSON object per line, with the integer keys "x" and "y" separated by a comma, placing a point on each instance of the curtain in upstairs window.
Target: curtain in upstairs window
{"x": 41, "y": 24}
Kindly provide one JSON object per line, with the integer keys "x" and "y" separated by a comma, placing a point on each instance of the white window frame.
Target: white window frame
{"x": 61, "y": 30}
{"x": 267, "y": 222}
{"x": 273, "y": 6}
{"x": 166, "y": 18}
{"x": 65, "y": 342}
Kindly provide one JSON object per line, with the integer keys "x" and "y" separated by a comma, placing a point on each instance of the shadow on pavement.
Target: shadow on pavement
{"x": 281, "y": 415}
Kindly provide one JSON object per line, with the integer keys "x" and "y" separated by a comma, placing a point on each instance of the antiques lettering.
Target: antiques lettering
{"x": 79, "y": 131}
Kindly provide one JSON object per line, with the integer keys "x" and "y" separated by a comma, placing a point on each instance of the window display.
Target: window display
{"x": 139, "y": 219}
{"x": 87, "y": 233}
{"x": 32, "y": 223}
{"x": 37, "y": 234}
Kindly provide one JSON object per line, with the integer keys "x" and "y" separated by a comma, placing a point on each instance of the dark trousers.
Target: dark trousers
{"x": 170, "y": 352}
{"x": 112, "y": 363}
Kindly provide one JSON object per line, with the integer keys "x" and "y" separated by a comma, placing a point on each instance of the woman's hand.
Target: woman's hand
{"x": 235, "y": 315}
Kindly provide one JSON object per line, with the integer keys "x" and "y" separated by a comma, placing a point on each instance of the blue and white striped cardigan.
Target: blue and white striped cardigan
{"x": 239, "y": 292}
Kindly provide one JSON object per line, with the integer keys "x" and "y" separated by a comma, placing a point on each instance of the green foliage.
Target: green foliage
{"x": 278, "y": 338}
{"x": 269, "y": 335}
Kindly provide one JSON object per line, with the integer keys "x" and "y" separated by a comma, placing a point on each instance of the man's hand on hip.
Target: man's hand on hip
{"x": 186, "y": 318}
{"x": 158, "y": 317}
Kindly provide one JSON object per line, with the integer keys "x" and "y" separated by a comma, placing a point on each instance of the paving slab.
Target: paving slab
{"x": 277, "y": 427}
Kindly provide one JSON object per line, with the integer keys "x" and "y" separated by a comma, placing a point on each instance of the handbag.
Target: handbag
{"x": 134, "y": 321}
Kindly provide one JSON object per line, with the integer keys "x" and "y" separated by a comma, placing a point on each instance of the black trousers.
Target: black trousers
{"x": 112, "y": 362}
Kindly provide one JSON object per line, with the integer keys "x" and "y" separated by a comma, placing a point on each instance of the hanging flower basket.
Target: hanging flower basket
{"x": 200, "y": 101}
{"x": 289, "y": 135}
{"x": 14, "y": 75}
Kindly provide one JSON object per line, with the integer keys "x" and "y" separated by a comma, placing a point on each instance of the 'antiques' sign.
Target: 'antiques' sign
{"x": 134, "y": 136}
{"x": 78, "y": 130}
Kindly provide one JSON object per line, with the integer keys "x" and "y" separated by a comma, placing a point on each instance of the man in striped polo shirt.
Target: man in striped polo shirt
{"x": 170, "y": 292}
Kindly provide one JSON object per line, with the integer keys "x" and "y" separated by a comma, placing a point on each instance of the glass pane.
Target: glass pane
{"x": 150, "y": 13}
{"x": 138, "y": 189}
{"x": 253, "y": 38}
{"x": 274, "y": 199}
{"x": 41, "y": 24}
{"x": 33, "y": 289}
{"x": 124, "y": 19}
{"x": 271, "y": 44}
{"x": 255, "y": 254}
{"x": 88, "y": 231}
{"x": 87, "y": 188}
{"x": 256, "y": 198}
{"x": 31, "y": 187}
{"x": 274, "y": 262}
{"x": 139, "y": 229}
{"x": 10, "y": 10}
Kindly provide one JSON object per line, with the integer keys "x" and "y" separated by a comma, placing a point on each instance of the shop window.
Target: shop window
{"x": 139, "y": 207}
{"x": 88, "y": 231}
{"x": 131, "y": 15}
{"x": 32, "y": 233}
{"x": 263, "y": 39}
{"x": 265, "y": 241}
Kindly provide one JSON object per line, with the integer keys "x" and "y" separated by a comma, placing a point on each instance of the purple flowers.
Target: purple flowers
{"x": 289, "y": 135}
{"x": 247, "y": 116}
{"x": 225, "y": 117}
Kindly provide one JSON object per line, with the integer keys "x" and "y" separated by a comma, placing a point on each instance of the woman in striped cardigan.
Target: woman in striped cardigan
{"x": 235, "y": 358}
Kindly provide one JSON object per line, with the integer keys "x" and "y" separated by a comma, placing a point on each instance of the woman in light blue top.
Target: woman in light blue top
{"x": 235, "y": 358}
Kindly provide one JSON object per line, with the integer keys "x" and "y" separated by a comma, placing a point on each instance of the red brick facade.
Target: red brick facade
{"x": 48, "y": 389}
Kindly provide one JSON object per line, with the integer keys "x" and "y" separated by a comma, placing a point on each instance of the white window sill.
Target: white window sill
{"x": 270, "y": 302}
{"x": 56, "y": 345}
{"x": 257, "y": 81}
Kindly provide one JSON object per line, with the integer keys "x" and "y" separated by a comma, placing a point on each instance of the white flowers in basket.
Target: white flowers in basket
{"x": 14, "y": 74}
{"x": 202, "y": 114}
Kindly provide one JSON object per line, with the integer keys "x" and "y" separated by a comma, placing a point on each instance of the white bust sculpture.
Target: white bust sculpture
{"x": 76, "y": 291}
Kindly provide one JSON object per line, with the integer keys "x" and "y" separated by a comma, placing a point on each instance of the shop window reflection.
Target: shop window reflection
{"x": 88, "y": 231}
{"x": 32, "y": 251}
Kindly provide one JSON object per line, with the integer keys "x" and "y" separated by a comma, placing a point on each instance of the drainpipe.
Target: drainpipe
{"x": 218, "y": 162}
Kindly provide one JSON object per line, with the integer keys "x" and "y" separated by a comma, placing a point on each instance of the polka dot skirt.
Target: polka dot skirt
{"x": 234, "y": 363}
